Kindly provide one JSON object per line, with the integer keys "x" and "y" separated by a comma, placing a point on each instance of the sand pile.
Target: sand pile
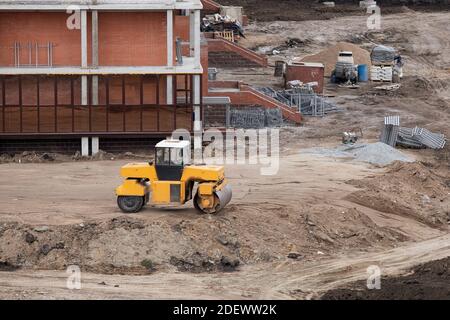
{"x": 329, "y": 56}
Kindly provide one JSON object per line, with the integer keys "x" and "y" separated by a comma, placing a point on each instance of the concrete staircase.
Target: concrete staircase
{"x": 244, "y": 95}
{"x": 226, "y": 54}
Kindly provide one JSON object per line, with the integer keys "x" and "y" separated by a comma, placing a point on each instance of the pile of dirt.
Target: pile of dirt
{"x": 429, "y": 281}
{"x": 416, "y": 87}
{"x": 329, "y": 56}
{"x": 200, "y": 244}
{"x": 113, "y": 246}
{"x": 407, "y": 189}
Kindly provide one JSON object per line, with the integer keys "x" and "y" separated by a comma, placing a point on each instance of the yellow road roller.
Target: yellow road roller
{"x": 171, "y": 180}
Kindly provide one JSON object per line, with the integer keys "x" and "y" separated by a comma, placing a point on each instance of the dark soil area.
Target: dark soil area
{"x": 299, "y": 10}
{"x": 430, "y": 281}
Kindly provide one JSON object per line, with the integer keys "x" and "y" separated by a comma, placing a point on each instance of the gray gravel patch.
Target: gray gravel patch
{"x": 375, "y": 153}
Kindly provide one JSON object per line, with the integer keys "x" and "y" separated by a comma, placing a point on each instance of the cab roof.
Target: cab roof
{"x": 173, "y": 144}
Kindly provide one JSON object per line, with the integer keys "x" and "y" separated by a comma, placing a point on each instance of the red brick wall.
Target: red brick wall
{"x": 181, "y": 27}
{"x": 41, "y": 27}
{"x": 128, "y": 38}
{"x": 132, "y": 38}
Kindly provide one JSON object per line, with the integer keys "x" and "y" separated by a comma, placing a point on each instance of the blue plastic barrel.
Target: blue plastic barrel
{"x": 363, "y": 72}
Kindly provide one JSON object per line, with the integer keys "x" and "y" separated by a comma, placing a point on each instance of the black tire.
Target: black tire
{"x": 130, "y": 204}
{"x": 196, "y": 206}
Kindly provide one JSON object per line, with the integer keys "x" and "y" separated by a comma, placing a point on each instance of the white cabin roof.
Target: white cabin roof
{"x": 173, "y": 144}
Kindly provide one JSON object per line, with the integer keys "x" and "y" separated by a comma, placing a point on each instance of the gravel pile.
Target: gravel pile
{"x": 376, "y": 153}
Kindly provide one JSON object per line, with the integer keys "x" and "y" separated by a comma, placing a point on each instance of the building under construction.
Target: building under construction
{"x": 87, "y": 74}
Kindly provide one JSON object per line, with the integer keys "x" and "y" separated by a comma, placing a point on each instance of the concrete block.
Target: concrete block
{"x": 367, "y": 3}
{"x": 95, "y": 145}
{"x": 329, "y": 4}
{"x": 85, "y": 146}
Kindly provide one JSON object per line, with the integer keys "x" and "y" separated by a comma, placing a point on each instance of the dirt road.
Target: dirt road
{"x": 268, "y": 281}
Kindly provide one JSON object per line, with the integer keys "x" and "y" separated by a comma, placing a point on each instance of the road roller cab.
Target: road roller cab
{"x": 171, "y": 180}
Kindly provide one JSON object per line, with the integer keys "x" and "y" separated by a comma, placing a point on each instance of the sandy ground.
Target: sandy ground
{"x": 268, "y": 281}
{"x": 310, "y": 198}
{"x": 338, "y": 216}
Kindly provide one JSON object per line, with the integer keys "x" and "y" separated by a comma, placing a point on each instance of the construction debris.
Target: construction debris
{"x": 420, "y": 138}
{"x": 389, "y": 87}
{"x": 219, "y": 23}
{"x": 255, "y": 118}
{"x": 351, "y": 137}
{"x": 288, "y": 44}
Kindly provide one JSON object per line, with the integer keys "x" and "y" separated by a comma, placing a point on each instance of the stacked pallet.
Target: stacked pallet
{"x": 382, "y": 58}
{"x": 381, "y": 73}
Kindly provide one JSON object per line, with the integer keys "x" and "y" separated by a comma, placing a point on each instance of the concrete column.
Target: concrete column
{"x": 95, "y": 38}
{"x": 95, "y": 145}
{"x": 198, "y": 126}
{"x": 194, "y": 36}
{"x": 170, "y": 97}
{"x": 95, "y": 56}
{"x": 197, "y": 96}
{"x": 84, "y": 59}
{"x": 197, "y": 33}
{"x": 191, "y": 32}
{"x": 84, "y": 91}
{"x": 84, "y": 44}
{"x": 85, "y": 146}
{"x": 95, "y": 141}
{"x": 170, "y": 40}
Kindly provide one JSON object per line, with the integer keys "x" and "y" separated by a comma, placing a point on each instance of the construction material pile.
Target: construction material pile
{"x": 375, "y": 153}
{"x": 329, "y": 56}
{"x": 417, "y": 137}
{"x": 420, "y": 138}
{"x": 219, "y": 23}
{"x": 382, "y": 55}
{"x": 255, "y": 117}
{"x": 304, "y": 98}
